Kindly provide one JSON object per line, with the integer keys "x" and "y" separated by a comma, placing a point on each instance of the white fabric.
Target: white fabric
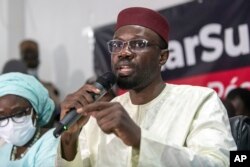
{"x": 184, "y": 126}
{"x": 18, "y": 134}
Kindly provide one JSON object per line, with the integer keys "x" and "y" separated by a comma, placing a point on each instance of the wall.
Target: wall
{"x": 3, "y": 32}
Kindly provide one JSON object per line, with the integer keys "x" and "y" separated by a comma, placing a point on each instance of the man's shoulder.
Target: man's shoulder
{"x": 189, "y": 89}
{"x": 176, "y": 91}
{"x": 189, "y": 92}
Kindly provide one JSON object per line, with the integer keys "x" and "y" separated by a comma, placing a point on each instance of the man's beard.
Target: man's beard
{"x": 136, "y": 81}
{"x": 127, "y": 82}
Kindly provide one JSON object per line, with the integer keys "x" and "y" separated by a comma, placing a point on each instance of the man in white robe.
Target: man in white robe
{"x": 154, "y": 124}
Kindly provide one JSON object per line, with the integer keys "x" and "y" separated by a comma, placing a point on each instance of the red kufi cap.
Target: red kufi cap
{"x": 144, "y": 17}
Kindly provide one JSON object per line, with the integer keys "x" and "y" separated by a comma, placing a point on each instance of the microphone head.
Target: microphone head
{"x": 107, "y": 80}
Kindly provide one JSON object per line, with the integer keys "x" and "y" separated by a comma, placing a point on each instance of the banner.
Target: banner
{"x": 209, "y": 45}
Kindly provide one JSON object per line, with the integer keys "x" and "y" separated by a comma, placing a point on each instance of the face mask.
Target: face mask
{"x": 18, "y": 134}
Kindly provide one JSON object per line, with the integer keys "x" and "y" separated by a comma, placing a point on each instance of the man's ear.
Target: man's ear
{"x": 163, "y": 56}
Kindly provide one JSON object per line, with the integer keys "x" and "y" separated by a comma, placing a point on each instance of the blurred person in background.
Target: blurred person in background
{"x": 240, "y": 99}
{"x": 237, "y": 103}
{"x": 14, "y": 65}
{"x": 29, "y": 52}
{"x": 229, "y": 107}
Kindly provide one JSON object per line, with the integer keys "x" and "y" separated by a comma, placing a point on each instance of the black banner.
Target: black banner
{"x": 207, "y": 37}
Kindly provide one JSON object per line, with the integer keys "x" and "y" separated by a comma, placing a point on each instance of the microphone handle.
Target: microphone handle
{"x": 72, "y": 116}
{"x": 66, "y": 122}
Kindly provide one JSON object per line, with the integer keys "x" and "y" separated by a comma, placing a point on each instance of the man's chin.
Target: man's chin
{"x": 125, "y": 82}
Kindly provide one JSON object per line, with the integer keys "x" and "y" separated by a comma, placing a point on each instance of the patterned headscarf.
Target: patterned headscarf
{"x": 31, "y": 89}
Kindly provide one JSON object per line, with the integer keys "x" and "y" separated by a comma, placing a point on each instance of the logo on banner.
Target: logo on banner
{"x": 209, "y": 39}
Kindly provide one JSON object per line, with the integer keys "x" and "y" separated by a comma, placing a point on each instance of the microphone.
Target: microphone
{"x": 104, "y": 83}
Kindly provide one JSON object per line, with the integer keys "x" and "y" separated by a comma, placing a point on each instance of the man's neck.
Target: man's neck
{"x": 147, "y": 94}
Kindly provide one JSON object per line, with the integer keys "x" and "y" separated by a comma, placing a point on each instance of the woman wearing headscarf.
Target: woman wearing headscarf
{"x": 25, "y": 108}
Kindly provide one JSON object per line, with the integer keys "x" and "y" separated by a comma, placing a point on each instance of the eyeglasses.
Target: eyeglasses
{"x": 135, "y": 45}
{"x": 19, "y": 117}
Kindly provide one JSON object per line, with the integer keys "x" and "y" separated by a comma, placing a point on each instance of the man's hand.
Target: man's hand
{"x": 76, "y": 100}
{"x": 113, "y": 118}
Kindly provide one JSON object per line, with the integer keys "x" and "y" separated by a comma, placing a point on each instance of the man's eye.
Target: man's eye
{"x": 116, "y": 44}
{"x": 138, "y": 44}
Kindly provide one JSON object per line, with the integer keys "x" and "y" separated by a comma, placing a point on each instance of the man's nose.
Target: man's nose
{"x": 126, "y": 52}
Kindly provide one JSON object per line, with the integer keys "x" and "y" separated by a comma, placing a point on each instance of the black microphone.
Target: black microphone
{"x": 104, "y": 83}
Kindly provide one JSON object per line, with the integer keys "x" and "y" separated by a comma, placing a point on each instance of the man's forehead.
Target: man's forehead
{"x": 135, "y": 31}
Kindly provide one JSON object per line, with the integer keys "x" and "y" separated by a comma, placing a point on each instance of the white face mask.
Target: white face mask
{"x": 18, "y": 134}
